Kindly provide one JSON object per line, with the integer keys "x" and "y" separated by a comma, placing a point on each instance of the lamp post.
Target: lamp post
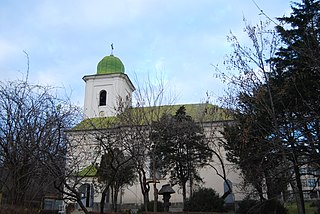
{"x": 166, "y": 190}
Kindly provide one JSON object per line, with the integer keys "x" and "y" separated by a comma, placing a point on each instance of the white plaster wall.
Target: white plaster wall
{"x": 87, "y": 147}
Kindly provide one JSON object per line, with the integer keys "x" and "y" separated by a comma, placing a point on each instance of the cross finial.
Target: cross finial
{"x": 112, "y": 48}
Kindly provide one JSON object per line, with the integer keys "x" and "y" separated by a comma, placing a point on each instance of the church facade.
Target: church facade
{"x": 109, "y": 91}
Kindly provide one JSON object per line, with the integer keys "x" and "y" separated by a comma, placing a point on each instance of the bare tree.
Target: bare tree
{"x": 215, "y": 140}
{"x": 149, "y": 101}
{"x": 253, "y": 67}
{"x": 32, "y": 136}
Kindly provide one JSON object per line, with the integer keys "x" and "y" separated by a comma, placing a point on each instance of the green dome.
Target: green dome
{"x": 110, "y": 65}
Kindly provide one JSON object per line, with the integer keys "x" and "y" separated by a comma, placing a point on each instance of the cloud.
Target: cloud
{"x": 66, "y": 39}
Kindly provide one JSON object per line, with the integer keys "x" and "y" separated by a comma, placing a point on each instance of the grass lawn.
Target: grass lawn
{"x": 292, "y": 207}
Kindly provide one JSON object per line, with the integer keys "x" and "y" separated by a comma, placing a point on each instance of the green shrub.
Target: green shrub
{"x": 316, "y": 205}
{"x": 272, "y": 206}
{"x": 205, "y": 200}
{"x": 150, "y": 207}
{"x": 245, "y": 205}
{"x": 249, "y": 206}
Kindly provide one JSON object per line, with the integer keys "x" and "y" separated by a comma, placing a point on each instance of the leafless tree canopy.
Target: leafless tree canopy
{"x": 32, "y": 139}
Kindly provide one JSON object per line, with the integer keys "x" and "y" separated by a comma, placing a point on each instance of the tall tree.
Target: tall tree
{"x": 250, "y": 101}
{"x": 180, "y": 148}
{"x": 281, "y": 111}
{"x": 296, "y": 79}
{"x": 149, "y": 99}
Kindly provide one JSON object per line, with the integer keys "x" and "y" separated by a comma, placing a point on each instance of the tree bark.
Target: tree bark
{"x": 299, "y": 193}
{"x": 145, "y": 188}
{"x": 155, "y": 201}
{"x": 103, "y": 199}
{"x": 184, "y": 193}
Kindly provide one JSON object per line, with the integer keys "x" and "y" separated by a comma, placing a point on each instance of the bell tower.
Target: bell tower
{"x": 107, "y": 91}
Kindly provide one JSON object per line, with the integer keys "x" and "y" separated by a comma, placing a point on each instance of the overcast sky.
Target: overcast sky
{"x": 178, "y": 39}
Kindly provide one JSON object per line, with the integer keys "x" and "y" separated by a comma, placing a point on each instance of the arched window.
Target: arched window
{"x": 103, "y": 98}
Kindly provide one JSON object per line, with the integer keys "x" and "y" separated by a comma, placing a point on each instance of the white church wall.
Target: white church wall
{"x": 89, "y": 152}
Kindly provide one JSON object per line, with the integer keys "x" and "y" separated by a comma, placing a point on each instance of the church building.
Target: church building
{"x": 110, "y": 91}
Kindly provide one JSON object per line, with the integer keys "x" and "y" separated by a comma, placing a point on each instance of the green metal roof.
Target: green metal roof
{"x": 110, "y": 65}
{"x": 144, "y": 116}
{"x": 97, "y": 123}
{"x": 89, "y": 171}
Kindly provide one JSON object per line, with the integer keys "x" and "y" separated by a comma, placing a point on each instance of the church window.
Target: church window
{"x": 103, "y": 98}
{"x": 87, "y": 194}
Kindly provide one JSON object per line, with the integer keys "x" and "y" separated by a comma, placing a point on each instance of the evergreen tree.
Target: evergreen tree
{"x": 251, "y": 145}
{"x": 297, "y": 85}
{"x": 180, "y": 148}
{"x": 277, "y": 130}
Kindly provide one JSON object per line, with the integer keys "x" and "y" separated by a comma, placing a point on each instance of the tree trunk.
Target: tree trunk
{"x": 297, "y": 197}
{"x": 84, "y": 209}
{"x": 297, "y": 184}
{"x": 273, "y": 190}
{"x": 103, "y": 199}
{"x": 155, "y": 194}
{"x": 115, "y": 199}
{"x": 184, "y": 194}
{"x": 258, "y": 187}
{"x": 299, "y": 191}
{"x": 146, "y": 200}
{"x": 145, "y": 188}
{"x": 191, "y": 186}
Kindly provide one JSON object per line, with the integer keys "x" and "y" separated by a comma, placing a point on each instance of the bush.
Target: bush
{"x": 272, "y": 206}
{"x": 316, "y": 205}
{"x": 245, "y": 205}
{"x": 249, "y": 206}
{"x": 150, "y": 207}
{"x": 205, "y": 200}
